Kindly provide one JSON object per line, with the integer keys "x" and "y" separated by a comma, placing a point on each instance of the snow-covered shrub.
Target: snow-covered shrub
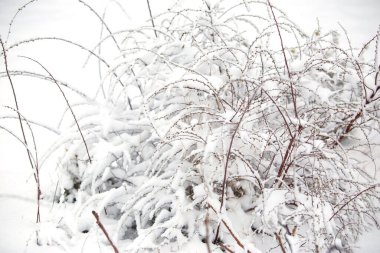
{"x": 231, "y": 131}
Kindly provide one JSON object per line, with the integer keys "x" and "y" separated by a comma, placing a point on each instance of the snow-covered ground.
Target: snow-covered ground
{"x": 41, "y": 102}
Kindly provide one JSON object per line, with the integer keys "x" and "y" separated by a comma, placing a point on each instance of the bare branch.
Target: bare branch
{"x": 67, "y": 102}
{"x": 151, "y": 18}
{"x": 104, "y": 231}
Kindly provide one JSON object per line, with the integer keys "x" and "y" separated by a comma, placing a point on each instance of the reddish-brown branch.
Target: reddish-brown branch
{"x": 279, "y": 110}
{"x": 104, "y": 231}
{"x": 354, "y": 197}
{"x": 367, "y": 44}
{"x": 280, "y": 242}
{"x": 226, "y": 165}
{"x": 283, "y": 168}
{"x": 16, "y": 101}
{"x": 287, "y": 154}
{"x": 151, "y": 18}
{"x": 229, "y": 230}
{"x": 207, "y": 224}
{"x": 68, "y": 104}
{"x": 350, "y": 125}
{"x": 286, "y": 61}
{"x": 225, "y": 248}
{"x": 34, "y": 167}
{"x": 233, "y": 235}
{"x": 229, "y": 154}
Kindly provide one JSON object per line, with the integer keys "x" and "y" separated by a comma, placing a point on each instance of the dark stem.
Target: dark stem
{"x": 34, "y": 167}
{"x": 286, "y": 61}
{"x": 207, "y": 233}
{"x": 68, "y": 104}
{"x": 280, "y": 242}
{"x": 354, "y": 197}
{"x": 104, "y": 231}
{"x": 239, "y": 243}
{"x": 283, "y": 168}
{"x": 16, "y": 102}
{"x": 229, "y": 155}
{"x": 151, "y": 18}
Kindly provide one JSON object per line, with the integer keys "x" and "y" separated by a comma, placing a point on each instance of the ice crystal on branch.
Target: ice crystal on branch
{"x": 231, "y": 127}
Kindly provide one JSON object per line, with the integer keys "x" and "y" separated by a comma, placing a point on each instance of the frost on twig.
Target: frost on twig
{"x": 220, "y": 116}
{"x": 234, "y": 117}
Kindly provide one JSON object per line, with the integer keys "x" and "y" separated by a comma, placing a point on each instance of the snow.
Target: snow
{"x": 17, "y": 189}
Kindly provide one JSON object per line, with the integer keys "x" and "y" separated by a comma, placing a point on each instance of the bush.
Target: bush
{"x": 230, "y": 131}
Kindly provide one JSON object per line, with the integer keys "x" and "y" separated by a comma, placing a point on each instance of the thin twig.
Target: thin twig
{"x": 103, "y": 23}
{"x": 14, "y": 17}
{"x": 207, "y": 233}
{"x": 151, "y": 18}
{"x": 350, "y": 125}
{"x": 229, "y": 154}
{"x": 225, "y": 247}
{"x": 229, "y": 230}
{"x": 286, "y": 61}
{"x": 280, "y": 242}
{"x": 67, "y": 102}
{"x": 104, "y": 231}
{"x": 354, "y": 197}
{"x": 226, "y": 165}
{"x": 15, "y": 100}
{"x": 35, "y": 166}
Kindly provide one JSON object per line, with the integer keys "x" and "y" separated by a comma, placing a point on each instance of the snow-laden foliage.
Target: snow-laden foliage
{"x": 231, "y": 131}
